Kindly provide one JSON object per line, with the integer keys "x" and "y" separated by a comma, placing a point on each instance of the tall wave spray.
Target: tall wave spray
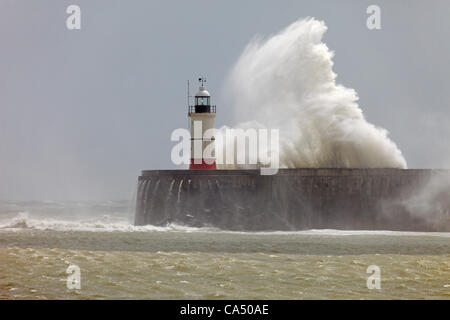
{"x": 286, "y": 82}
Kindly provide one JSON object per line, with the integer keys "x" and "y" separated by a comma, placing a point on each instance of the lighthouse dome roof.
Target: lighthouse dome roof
{"x": 202, "y": 92}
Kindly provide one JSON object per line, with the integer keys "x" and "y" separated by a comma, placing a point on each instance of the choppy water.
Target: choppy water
{"x": 38, "y": 241}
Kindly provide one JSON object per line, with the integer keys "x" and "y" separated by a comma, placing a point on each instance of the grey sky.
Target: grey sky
{"x": 82, "y": 112}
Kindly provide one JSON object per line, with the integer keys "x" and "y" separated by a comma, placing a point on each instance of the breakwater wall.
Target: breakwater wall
{"x": 297, "y": 199}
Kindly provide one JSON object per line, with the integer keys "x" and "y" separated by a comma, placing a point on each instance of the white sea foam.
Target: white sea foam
{"x": 25, "y": 221}
{"x": 286, "y": 82}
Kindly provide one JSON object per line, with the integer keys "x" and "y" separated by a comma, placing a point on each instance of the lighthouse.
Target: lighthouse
{"x": 202, "y": 116}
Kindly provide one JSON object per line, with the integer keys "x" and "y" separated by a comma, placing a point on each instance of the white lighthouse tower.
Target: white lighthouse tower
{"x": 202, "y": 116}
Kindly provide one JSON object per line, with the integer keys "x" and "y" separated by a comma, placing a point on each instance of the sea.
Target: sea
{"x": 92, "y": 250}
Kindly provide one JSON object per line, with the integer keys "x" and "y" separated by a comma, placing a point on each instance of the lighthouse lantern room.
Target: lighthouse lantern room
{"x": 202, "y": 116}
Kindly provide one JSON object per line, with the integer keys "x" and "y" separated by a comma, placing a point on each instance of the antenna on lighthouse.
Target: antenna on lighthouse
{"x": 202, "y": 80}
{"x": 188, "y": 94}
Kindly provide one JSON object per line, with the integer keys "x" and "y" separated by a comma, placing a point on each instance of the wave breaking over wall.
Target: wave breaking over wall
{"x": 286, "y": 82}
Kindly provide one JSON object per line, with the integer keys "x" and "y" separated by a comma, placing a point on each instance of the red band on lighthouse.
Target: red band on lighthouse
{"x": 202, "y": 166}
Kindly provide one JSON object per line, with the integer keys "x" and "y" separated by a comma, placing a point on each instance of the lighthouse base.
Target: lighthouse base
{"x": 202, "y": 166}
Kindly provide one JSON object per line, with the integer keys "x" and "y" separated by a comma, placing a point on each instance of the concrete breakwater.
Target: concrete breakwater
{"x": 297, "y": 199}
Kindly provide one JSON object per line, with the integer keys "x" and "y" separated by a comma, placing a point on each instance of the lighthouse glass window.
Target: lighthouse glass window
{"x": 203, "y": 101}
